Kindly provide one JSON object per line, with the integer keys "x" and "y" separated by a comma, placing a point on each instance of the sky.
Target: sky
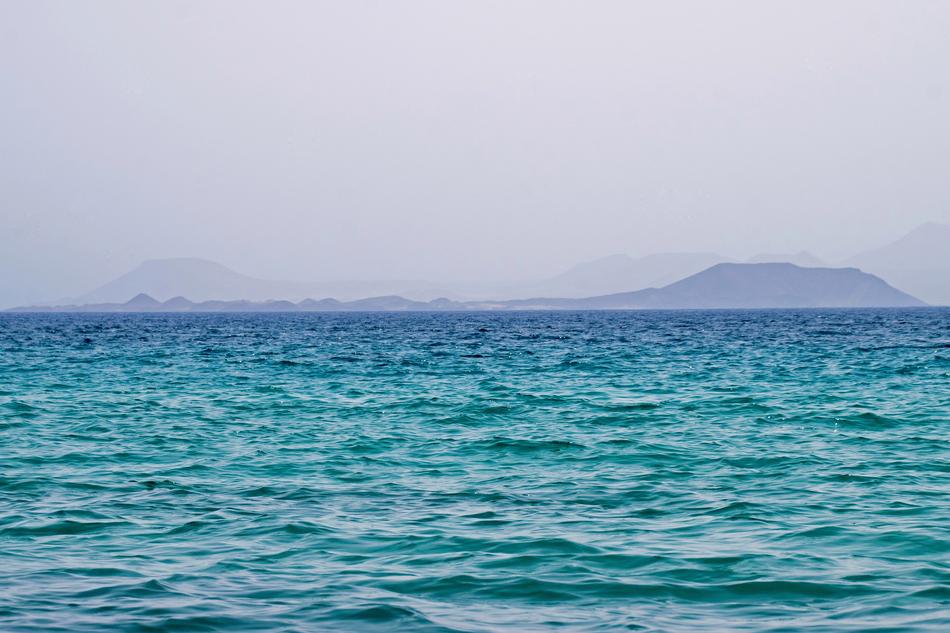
{"x": 489, "y": 140}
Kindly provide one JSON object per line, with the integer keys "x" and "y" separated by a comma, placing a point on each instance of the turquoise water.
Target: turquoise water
{"x": 691, "y": 471}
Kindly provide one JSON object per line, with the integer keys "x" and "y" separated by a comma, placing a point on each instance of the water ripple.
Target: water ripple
{"x": 668, "y": 471}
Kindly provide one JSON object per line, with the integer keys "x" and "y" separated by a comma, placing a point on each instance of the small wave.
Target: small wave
{"x": 151, "y": 588}
{"x": 381, "y": 613}
{"x": 550, "y": 546}
{"x": 67, "y": 527}
{"x": 529, "y": 445}
{"x": 590, "y": 472}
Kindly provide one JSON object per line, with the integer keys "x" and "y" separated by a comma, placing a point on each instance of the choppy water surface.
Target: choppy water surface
{"x": 751, "y": 471}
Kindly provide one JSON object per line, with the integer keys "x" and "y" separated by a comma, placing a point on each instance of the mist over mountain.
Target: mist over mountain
{"x": 925, "y": 247}
{"x": 727, "y": 286}
{"x": 617, "y": 273}
{"x": 918, "y": 262}
{"x": 770, "y": 285}
{"x": 801, "y": 258}
{"x": 203, "y": 280}
{"x": 781, "y": 285}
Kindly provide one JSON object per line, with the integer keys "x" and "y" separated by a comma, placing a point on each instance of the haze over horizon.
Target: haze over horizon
{"x": 442, "y": 141}
{"x": 484, "y": 315}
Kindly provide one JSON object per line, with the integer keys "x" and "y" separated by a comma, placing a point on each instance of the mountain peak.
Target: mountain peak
{"x": 178, "y": 303}
{"x": 619, "y": 273}
{"x": 142, "y": 300}
{"x": 192, "y": 277}
{"x": 767, "y": 285}
{"x": 918, "y": 262}
{"x": 926, "y": 246}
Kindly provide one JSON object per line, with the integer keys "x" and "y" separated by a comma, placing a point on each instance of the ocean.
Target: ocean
{"x": 543, "y": 471}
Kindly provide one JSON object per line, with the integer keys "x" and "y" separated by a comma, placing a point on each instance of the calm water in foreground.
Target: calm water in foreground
{"x": 748, "y": 471}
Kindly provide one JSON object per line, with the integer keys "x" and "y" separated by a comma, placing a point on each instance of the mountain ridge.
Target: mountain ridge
{"x": 919, "y": 262}
{"x": 206, "y": 280}
{"x": 202, "y": 279}
{"x": 721, "y": 286}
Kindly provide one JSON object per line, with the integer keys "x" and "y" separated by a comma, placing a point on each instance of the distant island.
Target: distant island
{"x": 721, "y": 286}
{"x": 917, "y": 263}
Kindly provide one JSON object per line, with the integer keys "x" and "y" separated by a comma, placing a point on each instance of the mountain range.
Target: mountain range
{"x": 205, "y": 280}
{"x": 726, "y": 285}
{"x": 616, "y": 273}
{"x": 918, "y": 263}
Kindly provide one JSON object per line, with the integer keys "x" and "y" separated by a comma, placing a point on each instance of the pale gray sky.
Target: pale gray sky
{"x": 477, "y": 140}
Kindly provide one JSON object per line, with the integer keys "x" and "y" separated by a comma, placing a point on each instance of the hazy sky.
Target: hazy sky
{"x": 477, "y": 140}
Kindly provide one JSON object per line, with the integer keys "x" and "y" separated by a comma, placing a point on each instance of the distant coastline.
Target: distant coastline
{"x": 721, "y": 286}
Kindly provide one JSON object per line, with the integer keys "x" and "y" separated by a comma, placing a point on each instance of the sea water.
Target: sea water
{"x": 665, "y": 471}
